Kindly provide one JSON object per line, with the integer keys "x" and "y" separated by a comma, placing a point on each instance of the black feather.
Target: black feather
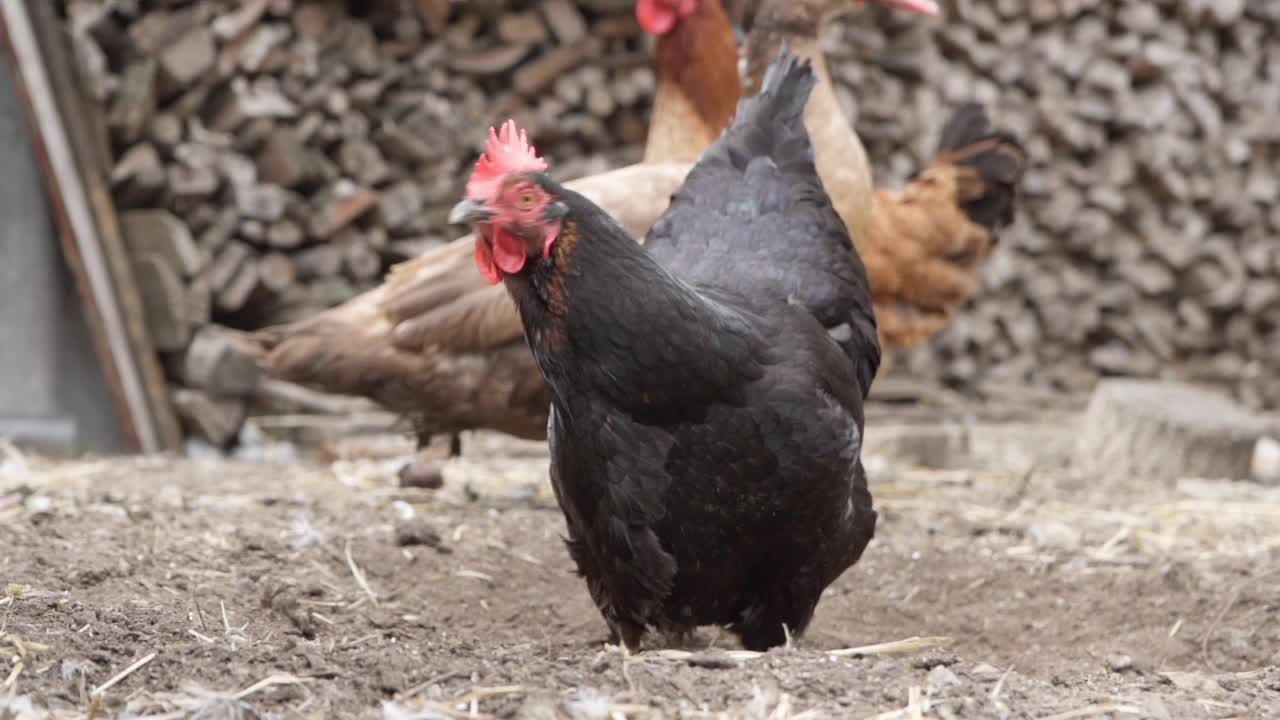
{"x": 788, "y": 81}
{"x": 753, "y": 216}
{"x": 998, "y": 158}
{"x": 968, "y": 124}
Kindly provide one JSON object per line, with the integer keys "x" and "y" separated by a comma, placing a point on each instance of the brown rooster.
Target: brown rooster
{"x": 436, "y": 342}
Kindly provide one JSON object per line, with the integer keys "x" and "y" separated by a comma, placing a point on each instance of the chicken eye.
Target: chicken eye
{"x": 527, "y": 200}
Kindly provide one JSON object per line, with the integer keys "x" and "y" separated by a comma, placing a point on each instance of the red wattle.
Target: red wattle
{"x": 484, "y": 261}
{"x": 508, "y": 252}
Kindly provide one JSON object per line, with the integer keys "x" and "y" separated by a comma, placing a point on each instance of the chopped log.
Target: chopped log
{"x": 253, "y": 231}
{"x": 276, "y": 272}
{"x": 248, "y": 102}
{"x": 164, "y": 299}
{"x": 360, "y": 261}
{"x": 341, "y": 209}
{"x": 488, "y": 61}
{"x": 399, "y": 205}
{"x": 199, "y": 299}
{"x": 318, "y": 262}
{"x": 138, "y": 176}
{"x": 285, "y": 235}
{"x": 233, "y": 24}
{"x": 435, "y": 13}
{"x": 363, "y": 162}
{"x": 396, "y": 141}
{"x": 227, "y": 263}
{"x": 565, "y": 20}
{"x": 1163, "y": 431}
{"x": 522, "y": 27}
{"x": 1218, "y": 274}
{"x": 262, "y": 202}
{"x": 213, "y": 418}
{"x": 285, "y": 160}
{"x": 252, "y": 51}
{"x": 330, "y": 291}
{"x": 534, "y": 76}
{"x": 219, "y": 361}
{"x": 377, "y": 238}
{"x": 135, "y": 101}
{"x": 154, "y": 31}
{"x": 160, "y": 233}
{"x": 232, "y": 296}
{"x": 165, "y": 129}
{"x": 188, "y": 59}
{"x": 193, "y": 182}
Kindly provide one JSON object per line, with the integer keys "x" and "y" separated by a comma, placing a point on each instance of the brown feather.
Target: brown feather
{"x": 698, "y": 86}
{"x": 928, "y": 241}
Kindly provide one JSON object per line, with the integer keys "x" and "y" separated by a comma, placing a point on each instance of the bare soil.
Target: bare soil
{"x": 321, "y": 591}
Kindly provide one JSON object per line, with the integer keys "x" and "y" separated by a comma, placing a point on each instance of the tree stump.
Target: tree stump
{"x": 1157, "y": 430}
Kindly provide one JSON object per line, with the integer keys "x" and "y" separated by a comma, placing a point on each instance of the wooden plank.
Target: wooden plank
{"x": 70, "y": 150}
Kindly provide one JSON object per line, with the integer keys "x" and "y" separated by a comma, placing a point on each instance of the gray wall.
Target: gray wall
{"x": 50, "y": 380}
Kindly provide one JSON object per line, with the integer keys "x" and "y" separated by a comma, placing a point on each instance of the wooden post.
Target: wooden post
{"x": 68, "y": 147}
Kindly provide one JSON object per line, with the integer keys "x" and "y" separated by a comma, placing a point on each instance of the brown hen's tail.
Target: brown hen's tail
{"x": 989, "y": 163}
{"x": 926, "y": 243}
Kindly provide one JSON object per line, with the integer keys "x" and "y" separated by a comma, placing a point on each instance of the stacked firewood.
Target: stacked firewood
{"x": 275, "y": 157}
{"x": 1149, "y": 244}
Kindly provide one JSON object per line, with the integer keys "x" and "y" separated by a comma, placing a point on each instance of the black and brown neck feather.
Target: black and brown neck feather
{"x": 598, "y": 313}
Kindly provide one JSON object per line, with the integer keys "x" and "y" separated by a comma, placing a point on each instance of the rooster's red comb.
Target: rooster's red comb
{"x": 508, "y": 151}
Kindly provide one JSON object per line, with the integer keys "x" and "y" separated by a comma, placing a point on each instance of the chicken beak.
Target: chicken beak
{"x": 923, "y": 7}
{"x": 470, "y": 211}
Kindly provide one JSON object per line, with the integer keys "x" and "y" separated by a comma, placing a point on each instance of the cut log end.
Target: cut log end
{"x": 216, "y": 419}
{"x": 1163, "y": 431}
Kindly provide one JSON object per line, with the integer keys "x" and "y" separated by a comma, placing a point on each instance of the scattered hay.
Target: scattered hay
{"x": 1028, "y": 523}
{"x": 1197, "y": 521}
{"x": 120, "y": 676}
{"x": 897, "y": 647}
{"x": 358, "y": 574}
{"x": 199, "y": 703}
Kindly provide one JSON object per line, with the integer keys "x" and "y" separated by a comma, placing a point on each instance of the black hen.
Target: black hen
{"x": 705, "y": 428}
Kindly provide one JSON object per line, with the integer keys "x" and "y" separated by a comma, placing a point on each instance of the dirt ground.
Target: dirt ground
{"x": 216, "y": 589}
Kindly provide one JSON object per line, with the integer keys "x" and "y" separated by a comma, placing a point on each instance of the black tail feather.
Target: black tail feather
{"x": 998, "y": 158}
{"x": 783, "y": 94}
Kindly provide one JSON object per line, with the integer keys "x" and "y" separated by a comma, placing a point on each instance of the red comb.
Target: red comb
{"x": 508, "y": 151}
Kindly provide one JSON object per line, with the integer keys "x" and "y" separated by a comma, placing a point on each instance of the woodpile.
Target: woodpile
{"x": 1147, "y": 243}
{"x": 275, "y": 157}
